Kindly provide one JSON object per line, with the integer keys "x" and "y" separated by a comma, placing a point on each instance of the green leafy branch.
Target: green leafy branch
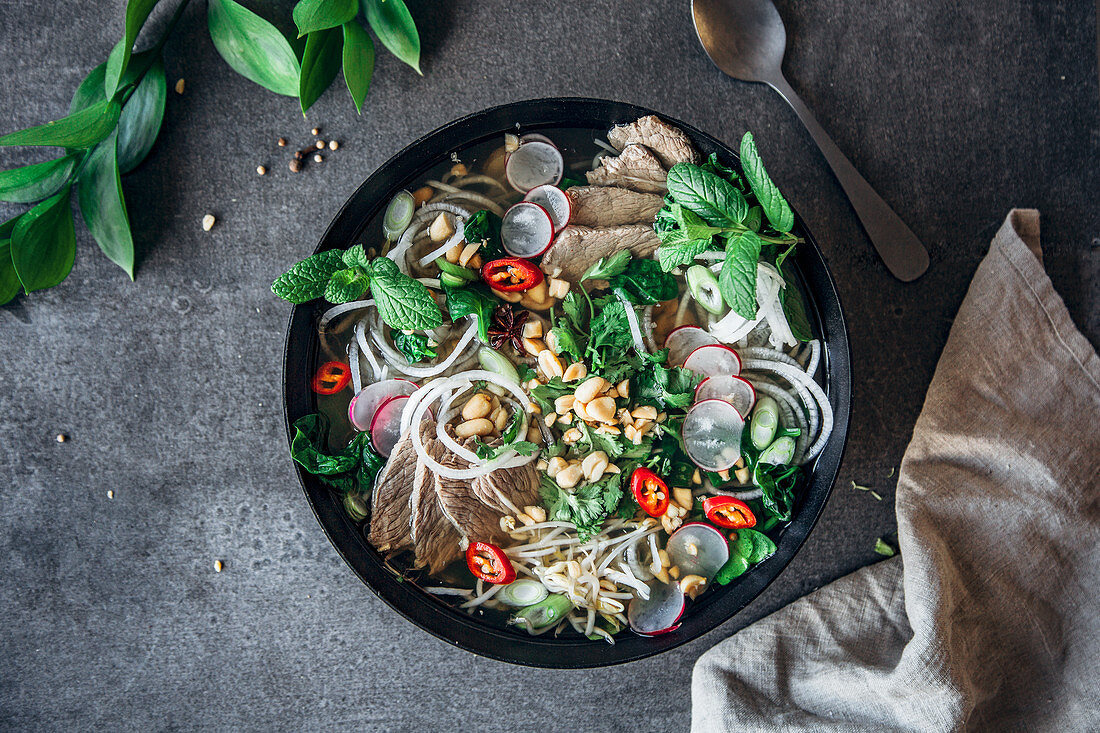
{"x": 114, "y": 119}
{"x": 330, "y": 39}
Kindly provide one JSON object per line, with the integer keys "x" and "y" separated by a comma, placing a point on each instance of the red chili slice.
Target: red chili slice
{"x": 511, "y": 275}
{"x": 489, "y": 563}
{"x": 331, "y": 377}
{"x": 728, "y": 511}
{"x": 649, "y": 491}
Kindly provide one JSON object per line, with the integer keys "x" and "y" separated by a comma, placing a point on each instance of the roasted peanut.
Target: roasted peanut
{"x": 500, "y": 419}
{"x": 590, "y": 388}
{"x": 683, "y": 497}
{"x": 550, "y": 364}
{"x": 576, "y": 370}
{"x": 557, "y": 288}
{"x": 623, "y": 388}
{"x": 535, "y": 512}
{"x": 569, "y": 477}
{"x": 468, "y": 253}
{"x": 594, "y": 465}
{"x": 477, "y": 406}
{"x": 645, "y": 412}
{"x": 532, "y": 329}
{"x": 564, "y": 403}
{"x": 601, "y": 409}
{"x": 555, "y": 465}
{"x": 693, "y": 585}
{"x": 479, "y": 426}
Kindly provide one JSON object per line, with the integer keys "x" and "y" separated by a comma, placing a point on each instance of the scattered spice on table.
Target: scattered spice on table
{"x": 208, "y": 222}
{"x": 179, "y": 86}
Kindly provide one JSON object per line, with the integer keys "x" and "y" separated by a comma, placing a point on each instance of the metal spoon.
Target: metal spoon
{"x": 746, "y": 40}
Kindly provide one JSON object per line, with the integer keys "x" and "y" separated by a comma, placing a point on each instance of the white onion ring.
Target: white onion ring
{"x": 395, "y": 358}
{"x": 632, "y": 319}
{"x": 815, "y": 357}
{"x": 799, "y": 377}
{"x": 353, "y": 363}
{"x": 343, "y": 308}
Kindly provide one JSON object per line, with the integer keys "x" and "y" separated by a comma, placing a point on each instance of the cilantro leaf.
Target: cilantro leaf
{"x": 606, "y": 268}
{"x": 404, "y": 303}
{"x": 306, "y": 280}
{"x": 771, "y": 200}
{"x": 737, "y": 280}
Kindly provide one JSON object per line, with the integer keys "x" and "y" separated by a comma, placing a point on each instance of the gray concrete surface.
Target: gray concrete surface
{"x": 112, "y": 615}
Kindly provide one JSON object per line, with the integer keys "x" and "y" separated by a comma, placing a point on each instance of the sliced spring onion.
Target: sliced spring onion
{"x": 704, "y": 288}
{"x": 398, "y": 215}
{"x": 523, "y": 593}
{"x": 549, "y": 610}
{"x": 764, "y": 423}
{"x": 778, "y": 453}
{"x": 496, "y": 362}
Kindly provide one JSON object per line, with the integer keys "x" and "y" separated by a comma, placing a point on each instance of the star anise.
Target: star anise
{"x": 507, "y": 327}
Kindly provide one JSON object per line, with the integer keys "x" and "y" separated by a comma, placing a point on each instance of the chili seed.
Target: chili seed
{"x": 61, "y": 437}
{"x": 218, "y": 566}
{"x": 317, "y": 158}
{"x": 208, "y": 222}
{"x": 320, "y": 144}
{"x": 332, "y": 145}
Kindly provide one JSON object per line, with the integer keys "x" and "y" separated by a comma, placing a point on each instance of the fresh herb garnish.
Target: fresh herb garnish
{"x": 413, "y": 346}
{"x": 484, "y": 226}
{"x": 771, "y": 201}
{"x": 474, "y": 300}
{"x": 351, "y": 469}
{"x": 737, "y": 280}
{"x": 644, "y": 282}
{"x": 777, "y": 482}
{"x": 664, "y": 387}
{"x": 606, "y": 268}
{"x": 586, "y": 507}
{"x": 711, "y": 198}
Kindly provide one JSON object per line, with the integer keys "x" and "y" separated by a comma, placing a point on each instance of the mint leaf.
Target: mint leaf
{"x": 404, "y": 303}
{"x": 356, "y": 257}
{"x": 754, "y": 219}
{"x": 771, "y": 200}
{"x": 737, "y": 281}
{"x": 346, "y": 286}
{"x": 307, "y": 279}
{"x": 713, "y": 199}
{"x": 679, "y": 250}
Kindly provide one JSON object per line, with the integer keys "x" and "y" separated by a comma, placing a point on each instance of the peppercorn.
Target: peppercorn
{"x": 320, "y": 144}
{"x": 295, "y": 165}
{"x": 315, "y": 131}
{"x": 317, "y": 158}
{"x": 261, "y": 170}
{"x": 332, "y": 145}
{"x": 282, "y": 142}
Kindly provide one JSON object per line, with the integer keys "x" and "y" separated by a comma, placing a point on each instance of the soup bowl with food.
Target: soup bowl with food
{"x": 567, "y": 381}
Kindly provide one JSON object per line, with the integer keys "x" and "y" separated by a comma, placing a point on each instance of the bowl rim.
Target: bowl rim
{"x": 446, "y": 622}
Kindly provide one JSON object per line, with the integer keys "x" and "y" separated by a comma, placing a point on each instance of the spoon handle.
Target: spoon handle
{"x": 904, "y": 255}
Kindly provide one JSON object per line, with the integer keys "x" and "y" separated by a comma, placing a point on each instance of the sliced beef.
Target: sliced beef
{"x": 605, "y": 206}
{"x": 463, "y": 509}
{"x": 435, "y": 540}
{"x": 389, "y": 522}
{"x": 576, "y": 248}
{"x": 518, "y": 486}
{"x": 669, "y": 144}
{"x": 635, "y": 168}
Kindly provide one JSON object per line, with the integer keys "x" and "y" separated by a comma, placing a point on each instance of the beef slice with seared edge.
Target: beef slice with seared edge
{"x": 668, "y": 143}
{"x": 390, "y": 513}
{"x": 606, "y": 206}
{"x": 635, "y": 168}
{"x": 576, "y": 248}
{"x": 518, "y": 486}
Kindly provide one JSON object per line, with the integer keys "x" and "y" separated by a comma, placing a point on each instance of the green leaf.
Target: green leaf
{"x": 91, "y": 91}
{"x": 484, "y": 226}
{"x": 358, "y": 62}
{"x": 413, "y": 346}
{"x": 475, "y": 300}
{"x": 103, "y": 206}
{"x": 713, "y": 199}
{"x": 646, "y": 283}
{"x": 884, "y": 549}
{"x": 317, "y": 15}
{"x": 393, "y": 24}
{"x": 351, "y": 469}
{"x": 771, "y": 200}
{"x": 9, "y": 281}
{"x": 43, "y": 243}
{"x": 607, "y": 267}
{"x": 320, "y": 62}
{"x": 307, "y": 279}
{"x": 140, "y": 121}
{"x": 9, "y": 226}
{"x": 80, "y": 130}
{"x": 678, "y": 252}
{"x": 737, "y": 280}
{"x": 35, "y": 182}
{"x": 253, "y": 47}
{"x": 403, "y": 303}
{"x": 346, "y": 286}
{"x": 137, "y": 12}
{"x": 795, "y": 309}
{"x": 355, "y": 256}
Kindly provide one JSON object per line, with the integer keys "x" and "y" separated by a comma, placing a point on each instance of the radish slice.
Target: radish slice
{"x": 556, "y": 203}
{"x": 533, "y": 164}
{"x": 532, "y": 137}
{"x": 684, "y": 340}
{"x": 714, "y": 360}
{"x": 385, "y": 428}
{"x": 526, "y": 230}
{"x": 698, "y": 549}
{"x": 712, "y": 434}
{"x": 735, "y": 390}
{"x": 660, "y": 613}
{"x": 370, "y": 398}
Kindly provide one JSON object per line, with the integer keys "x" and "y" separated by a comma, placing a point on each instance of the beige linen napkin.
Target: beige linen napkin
{"x": 990, "y": 618}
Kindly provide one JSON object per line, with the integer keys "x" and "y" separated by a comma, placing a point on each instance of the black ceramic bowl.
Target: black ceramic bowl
{"x": 450, "y": 624}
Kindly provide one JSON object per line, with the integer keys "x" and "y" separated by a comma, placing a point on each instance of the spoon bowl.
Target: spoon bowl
{"x": 746, "y": 40}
